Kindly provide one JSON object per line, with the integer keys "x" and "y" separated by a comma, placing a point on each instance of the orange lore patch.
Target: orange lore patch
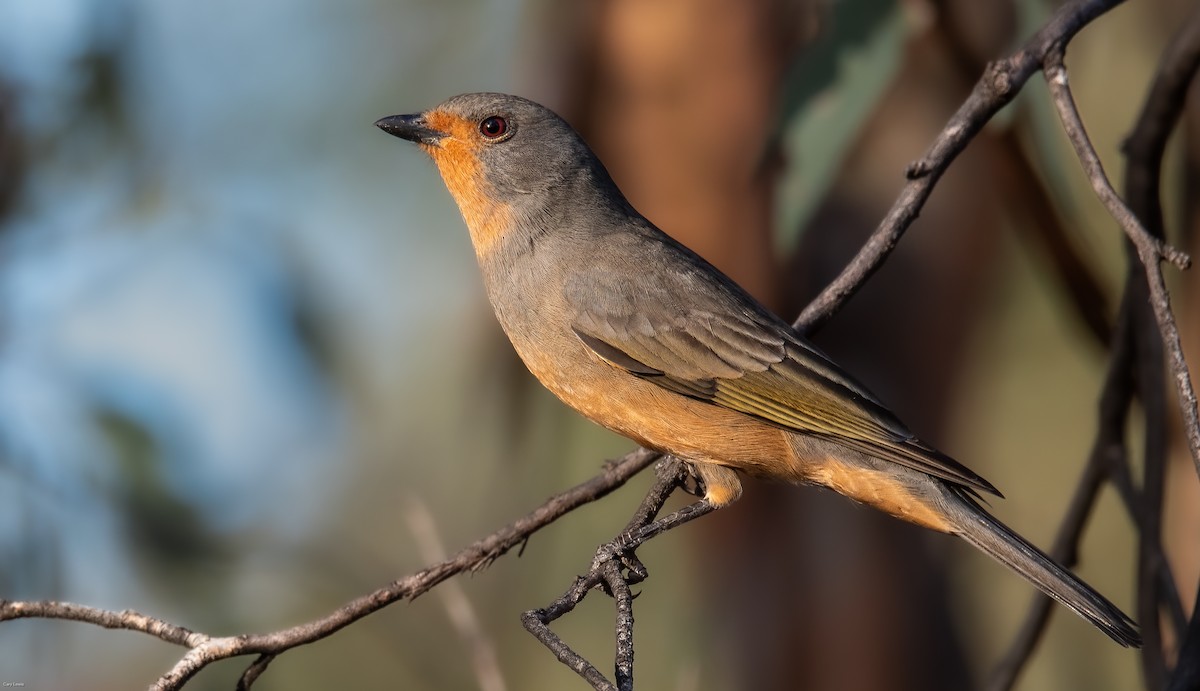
{"x": 878, "y": 490}
{"x": 486, "y": 218}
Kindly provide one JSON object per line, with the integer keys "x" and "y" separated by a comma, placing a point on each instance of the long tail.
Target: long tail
{"x": 977, "y": 527}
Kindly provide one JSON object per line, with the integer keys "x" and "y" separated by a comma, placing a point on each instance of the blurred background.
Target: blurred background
{"x": 242, "y": 338}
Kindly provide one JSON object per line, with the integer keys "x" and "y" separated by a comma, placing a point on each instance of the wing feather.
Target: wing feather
{"x": 709, "y": 341}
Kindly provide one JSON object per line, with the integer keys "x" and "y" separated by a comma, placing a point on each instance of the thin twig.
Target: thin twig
{"x": 253, "y": 672}
{"x": 458, "y": 607}
{"x": 1158, "y": 565}
{"x": 1149, "y": 248}
{"x": 1064, "y": 103}
{"x": 1150, "y": 371}
{"x": 128, "y": 620}
{"x": 537, "y": 622}
{"x": 623, "y": 603}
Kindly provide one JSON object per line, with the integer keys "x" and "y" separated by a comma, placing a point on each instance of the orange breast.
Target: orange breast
{"x": 655, "y": 417}
{"x": 457, "y": 160}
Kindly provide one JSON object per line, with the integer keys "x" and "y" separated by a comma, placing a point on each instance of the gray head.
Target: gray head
{"x": 509, "y": 145}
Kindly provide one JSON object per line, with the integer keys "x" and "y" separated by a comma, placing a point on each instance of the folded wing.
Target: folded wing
{"x": 711, "y": 342}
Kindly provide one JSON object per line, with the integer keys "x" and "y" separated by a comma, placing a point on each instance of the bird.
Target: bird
{"x": 640, "y": 334}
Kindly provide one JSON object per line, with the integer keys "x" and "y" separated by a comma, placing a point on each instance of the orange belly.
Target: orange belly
{"x": 880, "y": 490}
{"x": 703, "y": 432}
{"x": 666, "y": 421}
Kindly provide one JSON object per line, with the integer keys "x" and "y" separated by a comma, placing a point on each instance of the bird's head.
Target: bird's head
{"x": 500, "y": 156}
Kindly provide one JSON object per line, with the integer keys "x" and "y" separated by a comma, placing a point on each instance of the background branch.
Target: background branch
{"x": 1000, "y": 83}
{"x": 459, "y": 610}
{"x": 1136, "y": 348}
{"x": 1144, "y": 150}
{"x": 1148, "y": 248}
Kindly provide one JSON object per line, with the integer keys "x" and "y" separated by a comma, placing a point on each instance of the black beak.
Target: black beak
{"x": 410, "y": 127}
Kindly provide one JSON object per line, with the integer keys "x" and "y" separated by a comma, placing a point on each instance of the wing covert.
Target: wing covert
{"x": 710, "y": 341}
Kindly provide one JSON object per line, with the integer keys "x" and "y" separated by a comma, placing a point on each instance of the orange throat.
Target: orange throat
{"x": 487, "y": 218}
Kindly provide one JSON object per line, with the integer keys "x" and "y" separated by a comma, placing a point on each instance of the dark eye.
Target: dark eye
{"x": 493, "y": 127}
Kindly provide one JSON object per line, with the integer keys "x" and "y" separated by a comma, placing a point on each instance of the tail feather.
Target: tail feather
{"x": 980, "y": 529}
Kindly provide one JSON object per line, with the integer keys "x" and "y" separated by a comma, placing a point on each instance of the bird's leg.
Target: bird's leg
{"x": 720, "y": 483}
{"x": 714, "y": 481}
{"x": 616, "y": 567}
{"x": 692, "y": 483}
{"x": 671, "y": 474}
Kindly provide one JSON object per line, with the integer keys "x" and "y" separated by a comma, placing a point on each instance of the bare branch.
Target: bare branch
{"x": 537, "y": 622}
{"x": 1148, "y": 248}
{"x": 1000, "y": 83}
{"x": 253, "y": 672}
{"x": 206, "y": 649}
{"x": 1144, "y": 150}
{"x": 623, "y": 601}
{"x": 1146, "y": 147}
{"x": 1064, "y": 102}
{"x": 128, "y": 620}
{"x": 611, "y": 561}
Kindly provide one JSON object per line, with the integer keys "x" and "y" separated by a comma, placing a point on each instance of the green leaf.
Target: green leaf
{"x": 831, "y": 89}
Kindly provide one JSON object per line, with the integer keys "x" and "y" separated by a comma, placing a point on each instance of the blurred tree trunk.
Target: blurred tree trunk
{"x": 677, "y": 96}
